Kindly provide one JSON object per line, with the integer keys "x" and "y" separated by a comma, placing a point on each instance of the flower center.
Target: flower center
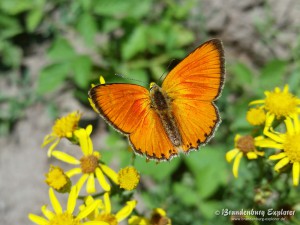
{"x": 64, "y": 219}
{"x": 89, "y": 163}
{"x": 291, "y": 147}
{"x": 281, "y": 104}
{"x": 108, "y": 218}
{"x": 158, "y": 219}
{"x": 246, "y": 144}
{"x": 128, "y": 178}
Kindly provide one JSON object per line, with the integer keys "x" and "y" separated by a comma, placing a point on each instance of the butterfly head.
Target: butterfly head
{"x": 153, "y": 85}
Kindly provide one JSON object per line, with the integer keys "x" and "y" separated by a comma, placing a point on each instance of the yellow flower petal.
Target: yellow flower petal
{"x": 257, "y": 102}
{"x": 260, "y": 153}
{"x": 90, "y": 186}
{"x": 73, "y": 172}
{"x": 236, "y": 163}
{"x": 85, "y": 141}
{"x": 296, "y": 173}
{"x": 251, "y": 155}
{"x": 47, "y": 213}
{"x": 101, "y": 79}
{"x": 81, "y": 181}
{"x": 107, "y": 203}
{"x": 38, "y": 219}
{"x": 88, "y": 209}
{"x": 277, "y": 156}
{"x": 231, "y": 154}
{"x": 289, "y": 125}
{"x": 126, "y": 210}
{"x": 110, "y": 173}
{"x": 281, "y": 163}
{"x": 101, "y": 179}
{"x": 285, "y": 89}
{"x": 54, "y": 202}
{"x": 95, "y": 223}
{"x": 72, "y": 200}
{"x": 134, "y": 220}
{"x": 268, "y": 143}
{"x": 48, "y": 139}
{"x": 236, "y": 138}
{"x": 296, "y": 122}
{"x": 65, "y": 157}
{"x": 49, "y": 153}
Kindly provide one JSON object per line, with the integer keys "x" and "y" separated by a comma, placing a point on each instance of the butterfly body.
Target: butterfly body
{"x": 162, "y": 104}
{"x": 177, "y": 117}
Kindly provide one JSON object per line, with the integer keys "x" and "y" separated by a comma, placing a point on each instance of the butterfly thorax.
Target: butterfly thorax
{"x": 162, "y": 105}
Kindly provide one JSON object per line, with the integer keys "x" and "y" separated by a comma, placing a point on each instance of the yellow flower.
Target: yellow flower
{"x": 128, "y": 178}
{"x": 89, "y": 163}
{"x": 103, "y": 212}
{"x": 290, "y": 144}
{"x": 256, "y": 116}
{"x": 102, "y": 81}
{"x": 63, "y": 128}
{"x": 59, "y": 216}
{"x": 158, "y": 216}
{"x": 57, "y": 179}
{"x": 244, "y": 145}
{"x": 279, "y": 104}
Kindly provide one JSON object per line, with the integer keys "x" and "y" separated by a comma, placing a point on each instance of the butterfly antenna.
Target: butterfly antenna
{"x": 128, "y": 78}
{"x": 168, "y": 68}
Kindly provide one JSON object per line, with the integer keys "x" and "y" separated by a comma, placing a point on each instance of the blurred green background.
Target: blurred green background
{"x": 52, "y": 47}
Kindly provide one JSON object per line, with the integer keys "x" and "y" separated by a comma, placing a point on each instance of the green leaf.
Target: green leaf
{"x": 61, "y": 50}
{"x": 128, "y": 8}
{"x": 188, "y": 196}
{"x": 160, "y": 171}
{"x": 271, "y": 74}
{"x": 87, "y": 27}
{"x": 110, "y": 24}
{"x": 51, "y": 77}
{"x": 137, "y": 42}
{"x": 34, "y": 18}
{"x": 209, "y": 208}
{"x": 242, "y": 73}
{"x": 9, "y": 26}
{"x": 184, "y": 36}
{"x": 14, "y": 7}
{"x": 207, "y": 164}
{"x": 11, "y": 54}
{"x": 82, "y": 66}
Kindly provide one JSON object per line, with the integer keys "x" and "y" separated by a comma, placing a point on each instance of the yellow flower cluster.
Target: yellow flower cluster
{"x": 89, "y": 170}
{"x": 278, "y": 107}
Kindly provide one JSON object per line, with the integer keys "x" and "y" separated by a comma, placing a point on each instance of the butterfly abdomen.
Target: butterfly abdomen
{"x": 161, "y": 103}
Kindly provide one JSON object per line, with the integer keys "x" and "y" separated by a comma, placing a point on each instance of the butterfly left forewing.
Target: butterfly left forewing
{"x": 121, "y": 105}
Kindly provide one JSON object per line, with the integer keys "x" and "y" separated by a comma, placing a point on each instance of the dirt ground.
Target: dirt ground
{"x": 23, "y": 162}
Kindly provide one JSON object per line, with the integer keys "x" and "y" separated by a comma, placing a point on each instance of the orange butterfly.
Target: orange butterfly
{"x": 177, "y": 117}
